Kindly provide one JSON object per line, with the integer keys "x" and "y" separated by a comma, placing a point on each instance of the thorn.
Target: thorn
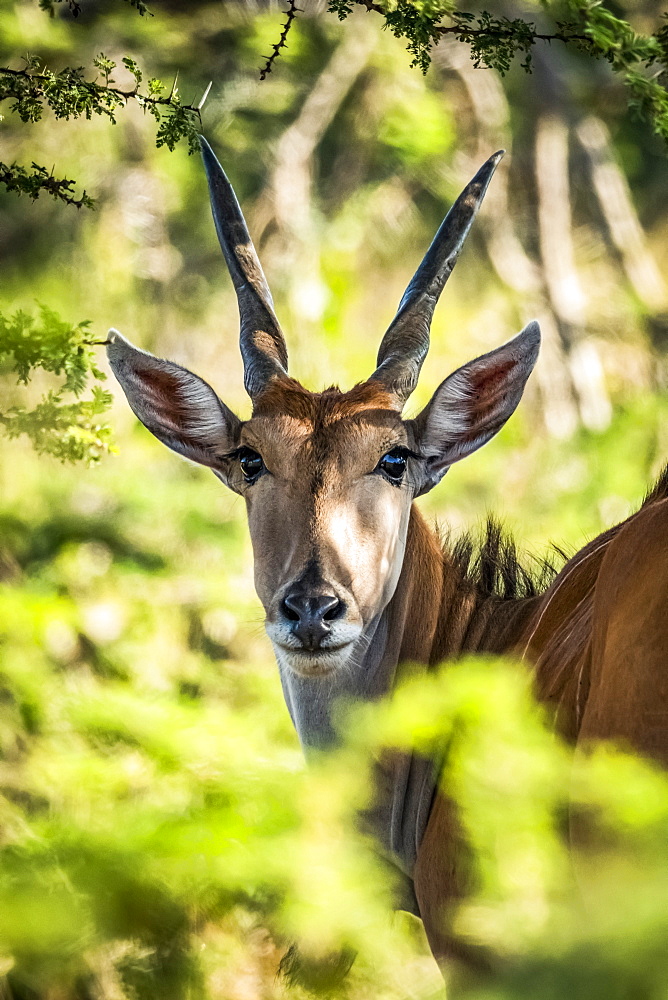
{"x": 173, "y": 90}
{"x": 204, "y": 96}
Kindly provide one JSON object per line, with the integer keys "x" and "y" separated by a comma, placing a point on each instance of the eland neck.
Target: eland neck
{"x": 436, "y": 612}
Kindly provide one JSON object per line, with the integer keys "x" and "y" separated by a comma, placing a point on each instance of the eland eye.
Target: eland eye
{"x": 251, "y": 464}
{"x": 393, "y": 465}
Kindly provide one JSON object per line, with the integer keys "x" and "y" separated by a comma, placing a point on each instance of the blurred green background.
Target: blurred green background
{"x": 158, "y": 836}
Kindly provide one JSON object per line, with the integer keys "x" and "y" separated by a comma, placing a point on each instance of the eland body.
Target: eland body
{"x": 352, "y": 580}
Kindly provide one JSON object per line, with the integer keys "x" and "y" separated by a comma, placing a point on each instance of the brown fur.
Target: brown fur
{"x": 286, "y": 397}
{"x": 596, "y": 639}
{"x": 558, "y": 638}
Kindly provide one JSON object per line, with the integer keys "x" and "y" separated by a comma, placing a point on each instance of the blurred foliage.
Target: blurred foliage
{"x": 159, "y": 834}
{"x": 156, "y": 828}
{"x": 68, "y": 431}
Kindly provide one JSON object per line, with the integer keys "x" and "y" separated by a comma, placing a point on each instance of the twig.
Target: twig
{"x": 291, "y": 13}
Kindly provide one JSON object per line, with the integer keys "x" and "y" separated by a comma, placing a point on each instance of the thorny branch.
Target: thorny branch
{"x": 494, "y": 41}
{"x": 68, "y": 94}
{"x": 454, "y": 29}
{"x": 638, "y": 58}
{"x": 95, "y": 89}
{"x": 17, "y": 178}
{"x": 291, "y": 13}
{"x": 464, "y": 32}
{"x": 75, "y": 6}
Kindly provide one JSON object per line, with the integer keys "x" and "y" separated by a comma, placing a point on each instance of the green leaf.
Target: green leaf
{"x": 68, "y": 430}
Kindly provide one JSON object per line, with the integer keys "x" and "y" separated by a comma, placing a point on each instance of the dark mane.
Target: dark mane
{"x": 660, "y": 489}
{"x": 491, "y": 565}
{"x": 489, "y": 561}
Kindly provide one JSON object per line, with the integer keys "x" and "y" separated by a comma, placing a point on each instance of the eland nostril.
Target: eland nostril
{"x": 299, "y": 606}
{"x": 290, "y": 613}
{"x": 310, "y": 615}
{"x": 332, "y": 609}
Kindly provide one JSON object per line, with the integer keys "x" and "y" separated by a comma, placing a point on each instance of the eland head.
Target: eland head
{"x": 329, "y": 477}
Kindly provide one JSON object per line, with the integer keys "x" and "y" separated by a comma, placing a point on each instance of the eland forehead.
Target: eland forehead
{"x": 345, "y": 428}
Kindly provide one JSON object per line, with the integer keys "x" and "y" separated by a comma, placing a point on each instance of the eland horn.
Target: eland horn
{"x": 406, "y": 342}
{"x": 262, "y": 343}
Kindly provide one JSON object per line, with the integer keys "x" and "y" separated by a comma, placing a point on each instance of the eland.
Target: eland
{"x": 354, "y": 582}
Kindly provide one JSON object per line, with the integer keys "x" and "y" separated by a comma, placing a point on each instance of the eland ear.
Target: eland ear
{"x": 473, "y": 404}
{"x": 180, "y": 408}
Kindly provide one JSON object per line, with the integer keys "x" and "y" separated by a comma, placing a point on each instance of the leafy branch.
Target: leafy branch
{"x": 640, "y": 59}
{"x": 68, "y": 94}
{"x": 19, "y": 179}
{"x": 69, "y": 430}
{"x": 75, "y": 6}
{"x": 494, "y": 41}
